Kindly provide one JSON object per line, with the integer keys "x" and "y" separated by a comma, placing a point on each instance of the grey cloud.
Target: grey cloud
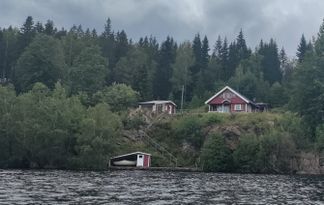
{"x": 284, "y": 21}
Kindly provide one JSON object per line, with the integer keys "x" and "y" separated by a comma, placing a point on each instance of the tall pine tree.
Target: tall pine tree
{"x": 270, "y": 61}
{"x": 162, "y": 78}
{"x": 302, "y": 49}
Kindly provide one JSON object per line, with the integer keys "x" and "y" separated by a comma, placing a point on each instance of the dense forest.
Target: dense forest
{"x": 65, "y": 93}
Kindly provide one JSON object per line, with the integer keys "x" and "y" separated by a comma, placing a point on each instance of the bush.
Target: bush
{"x": 216, "y": 156}
{"x": 320, "y": 138}
{"x": 276, "y": 151}
{"x": 292, "y": 124}
{"x": 246, "y": 154}
{"x": 189, "y": 129}
{"x": 133, "y": 122}
{"x": 270, "y": 153}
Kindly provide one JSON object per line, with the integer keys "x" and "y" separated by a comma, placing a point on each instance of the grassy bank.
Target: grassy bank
{"x": 256, "y": 142}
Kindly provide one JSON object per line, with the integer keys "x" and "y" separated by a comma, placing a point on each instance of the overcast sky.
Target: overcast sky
{"x": 284, "y": 20}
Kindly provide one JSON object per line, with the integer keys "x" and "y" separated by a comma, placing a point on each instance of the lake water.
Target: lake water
{"x": 155, "y": 187}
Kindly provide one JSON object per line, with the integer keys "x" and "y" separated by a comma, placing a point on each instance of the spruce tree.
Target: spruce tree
{"x": 196, "y": 47}
{"x": 283, "y": 60}
{"x": 204, "y": 82}
{"x": 122, "y": 45}
{"x": 319, "y": 43}
{"x": 270, "y": 61}
{"x": 195, "y": 68}
{"x": 217, "y": 48}
{"x": 302, "y": 49}
{"x": 107, "y": 42}
{"x": 39, "y": 28}
{"x": 181, "y": 76}
{"x": 233, "y": 61}
{"x": 243, "y": 51}
{"x": 27, "y": 33}
{"x": 162, "y": 84}
{"x": 307, "y": 87}
{"x": 49, "y": 28}
{"x": 204, "y": 54}
{"x": 224, "y": 61}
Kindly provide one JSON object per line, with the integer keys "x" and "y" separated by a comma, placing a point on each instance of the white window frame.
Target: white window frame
{"x": 237, "y": 107}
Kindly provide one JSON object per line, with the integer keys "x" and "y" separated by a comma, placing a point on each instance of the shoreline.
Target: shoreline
{"x": 173, "y": 169}
{"x": 158, "y": 169}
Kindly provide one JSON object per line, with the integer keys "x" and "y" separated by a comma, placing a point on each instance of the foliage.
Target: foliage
{"x": 50, "y": 129}
{"x": 246, "y": 155}
{"x": 118, "y": 96}
{"x": 181, "y": 75}
{"x": 215, "y": 155}
{"x": 136, "y": 69}
{"x": 190, "y": 130}
{"x": 97, "y": 139}
{"x": 302, "y": 49}
{"x": 270, "y": 61}
{"x": 271, "y": 152}
{"x": 277, "y": 149}
{"x": 162, "y": 76}
{"x": 70, "y": 104}
{"x": 88, "y": 72}
{"x": 320, "y": 138}
{"x": 307, "y": 93}
{"x": 42, "y": 61}
{"x": 278, "y": 97}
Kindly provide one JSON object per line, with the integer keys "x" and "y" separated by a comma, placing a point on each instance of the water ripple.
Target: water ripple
{"x": 145, "y": 187}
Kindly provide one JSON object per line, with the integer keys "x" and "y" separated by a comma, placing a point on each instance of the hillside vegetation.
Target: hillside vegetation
{"x": 67, "y": 99}
{"x": 255, "y": 142}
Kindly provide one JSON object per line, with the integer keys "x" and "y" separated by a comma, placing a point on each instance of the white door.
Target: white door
{"x": 226, "y": 108}
{"x": 140, "y": 160}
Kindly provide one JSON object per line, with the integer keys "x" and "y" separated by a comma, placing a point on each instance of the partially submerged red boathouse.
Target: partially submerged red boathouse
{"x": 134, "y": 159}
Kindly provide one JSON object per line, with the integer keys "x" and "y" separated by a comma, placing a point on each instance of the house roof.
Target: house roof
{"x": 233, "y": 91}
{"x": 133, "y": 153}
{"x": 157, "y": 102}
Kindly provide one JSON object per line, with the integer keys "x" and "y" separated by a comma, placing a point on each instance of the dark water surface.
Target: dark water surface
{"x": 154, "y": 187}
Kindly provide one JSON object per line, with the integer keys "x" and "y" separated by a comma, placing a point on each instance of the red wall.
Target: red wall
{"x": 242, "y": 106}
{"x": 232, "y": 97}
{"x": 172, "y": 108}
{"x": 219, "y": 100}
{"x": 147, "y": 161}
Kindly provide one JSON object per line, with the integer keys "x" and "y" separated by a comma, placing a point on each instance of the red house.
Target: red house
{"x": 228, "y": 100}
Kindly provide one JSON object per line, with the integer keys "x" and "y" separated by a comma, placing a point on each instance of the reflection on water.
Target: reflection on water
{"x": 148, "y": 187}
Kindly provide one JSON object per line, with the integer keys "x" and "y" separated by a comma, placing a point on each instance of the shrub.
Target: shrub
{"x": 216, "y": 156}
{"x": 320, "y": 138}
{"x": 189, "y": 129}
{"x": 246, "y": 155}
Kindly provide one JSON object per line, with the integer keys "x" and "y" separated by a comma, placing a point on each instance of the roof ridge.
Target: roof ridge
{"x": 232, "y": 90}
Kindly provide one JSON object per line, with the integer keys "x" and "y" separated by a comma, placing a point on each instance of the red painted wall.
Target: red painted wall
{"x": 233, "y": 99}
{"x": 147, "y": 160}
{"x": 172, "y": 108}
{"x": 242, "y": 106}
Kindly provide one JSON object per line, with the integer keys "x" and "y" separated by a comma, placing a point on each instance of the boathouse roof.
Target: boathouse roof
{"x": 132, "y": 153}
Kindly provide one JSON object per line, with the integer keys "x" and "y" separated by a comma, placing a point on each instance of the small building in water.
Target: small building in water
{"x": 134, "y": 159}
{"x": 158, "y": 106}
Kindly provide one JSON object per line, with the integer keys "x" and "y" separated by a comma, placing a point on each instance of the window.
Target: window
{"x": 237, "y": 107}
